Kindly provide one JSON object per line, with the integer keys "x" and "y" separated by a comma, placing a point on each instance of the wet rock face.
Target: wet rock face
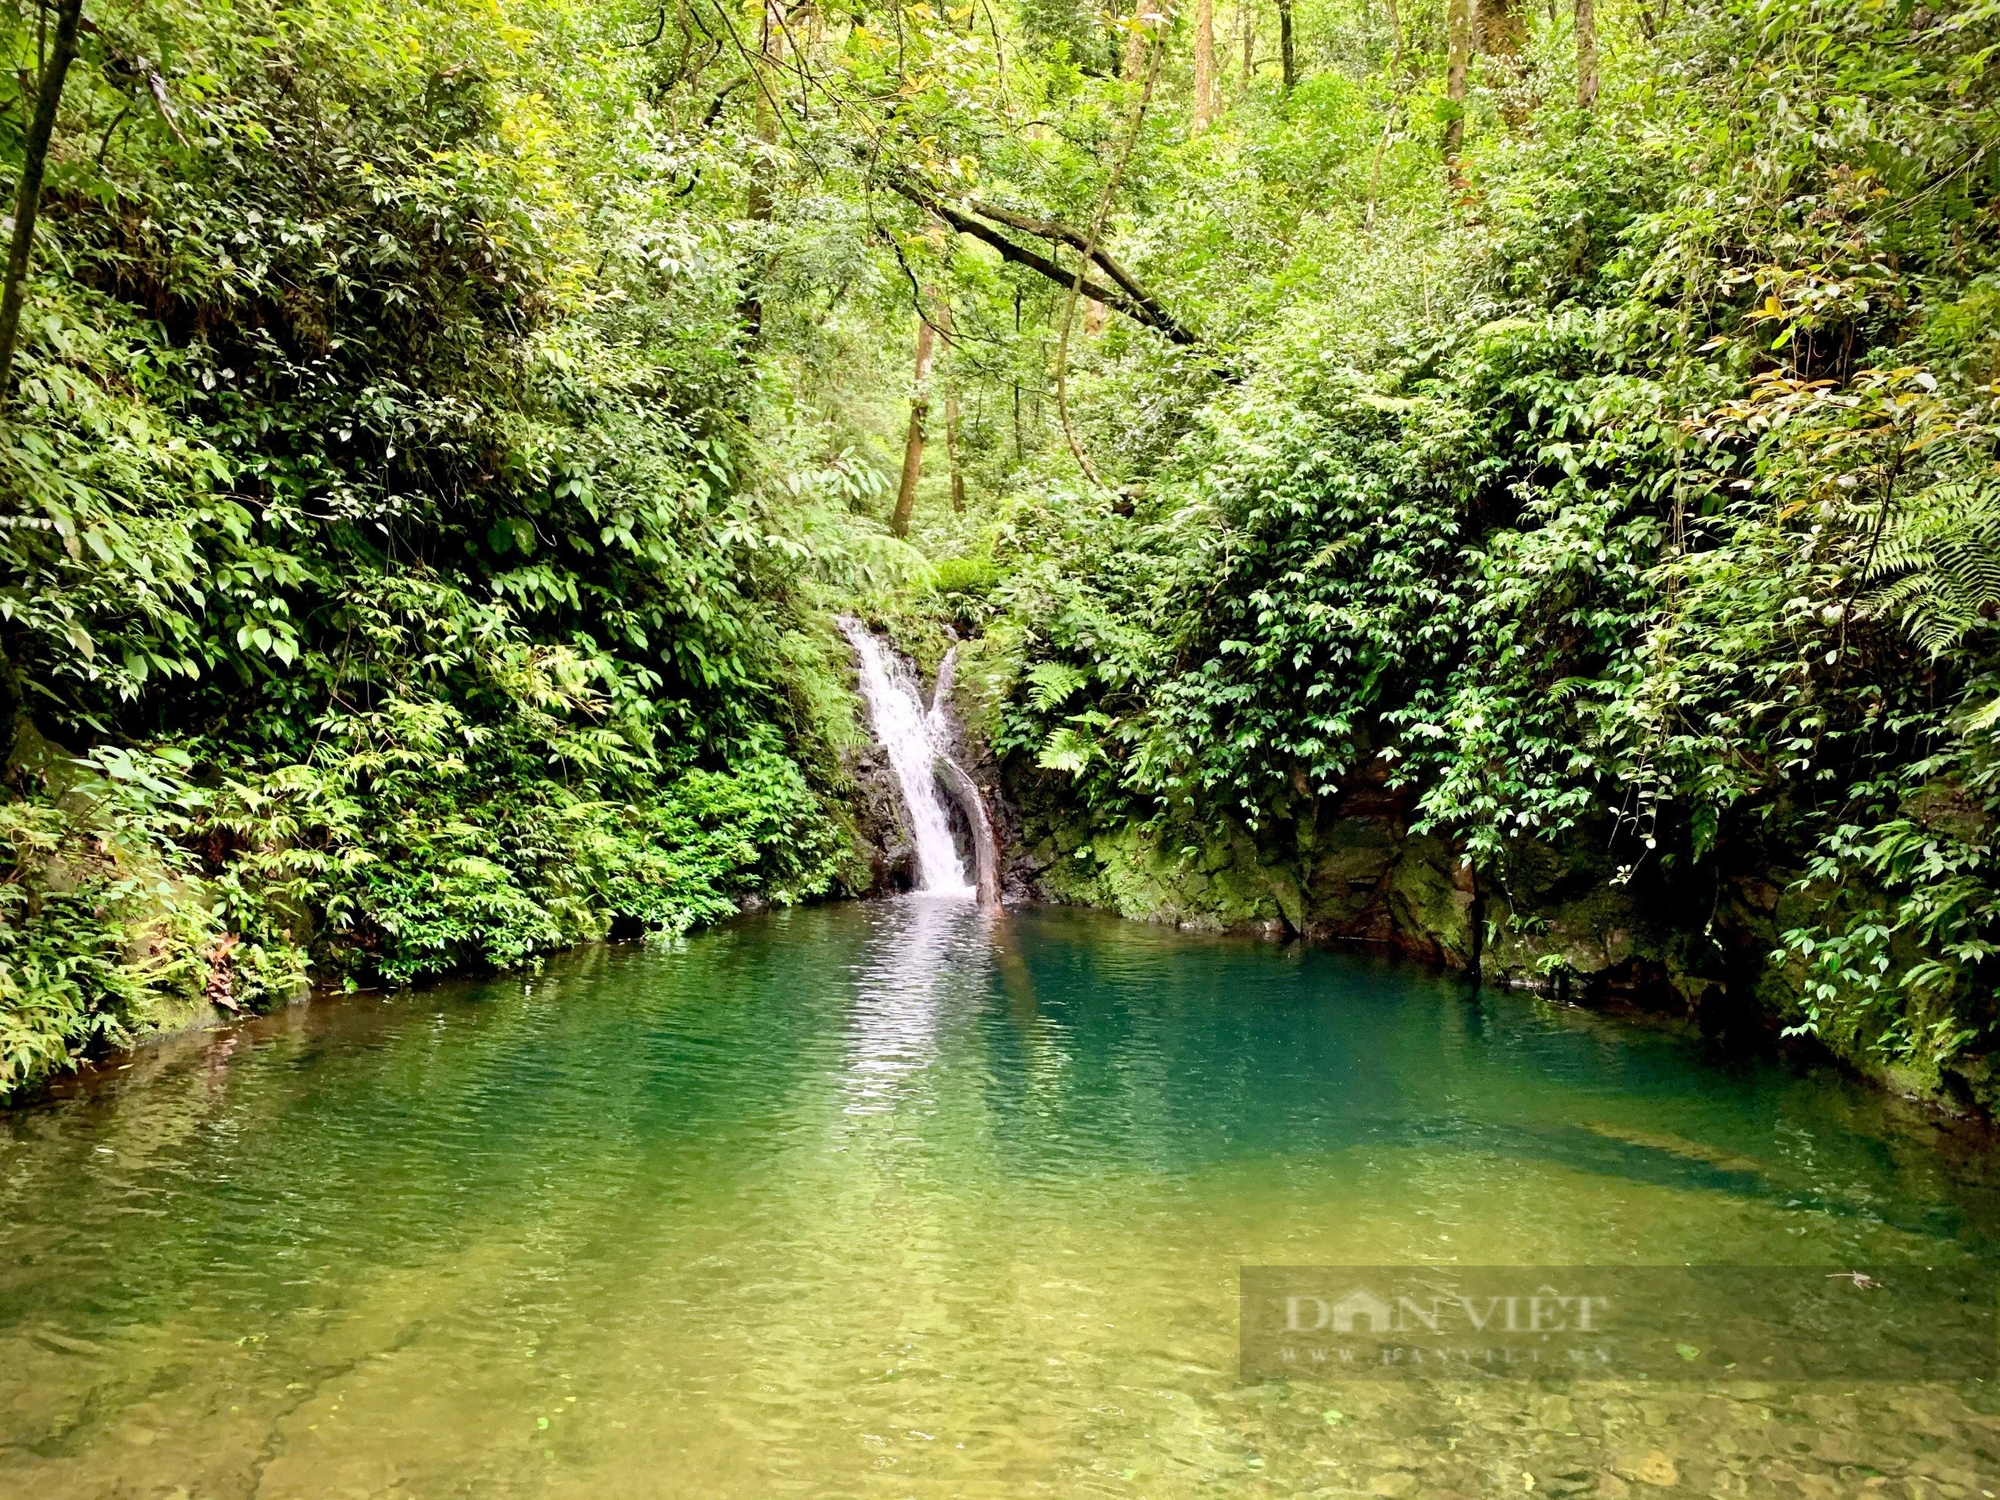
{"x": 976, "y": 757}
{"x": 878, "y": 821}
{"x": 1692, "y": 949}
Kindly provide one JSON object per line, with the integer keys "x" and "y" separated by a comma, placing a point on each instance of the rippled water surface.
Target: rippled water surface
{"x": 889, "y": 1200}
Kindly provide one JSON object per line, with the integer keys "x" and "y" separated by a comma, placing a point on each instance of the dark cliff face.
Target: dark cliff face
{"x": 1690, "y": 947}
{"x": 976, "y": 758}
{"x": 878, "y": 823}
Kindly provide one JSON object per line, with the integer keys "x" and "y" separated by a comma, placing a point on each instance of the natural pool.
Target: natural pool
{"x": 892, "y": 1200}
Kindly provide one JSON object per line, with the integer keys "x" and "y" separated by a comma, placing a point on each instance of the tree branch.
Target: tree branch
{"x": 1140, "y": 308}
{"x": 1048, "y": 229}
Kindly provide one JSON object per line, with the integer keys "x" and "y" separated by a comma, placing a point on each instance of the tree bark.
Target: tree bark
{"x": 1502, "y": 35}
{"x": 1288, "y": 57}
{"x": 1204, "y": 64}
{"x": 1586, "y": 54}
{"x": 1395, "y": 105}
{"x": 951, "y": 414}
{"x": 759, "y": 199}
{"x": 951, "y": 450}
{"x": 1461, "y": 16}
{"x": 1502, "y": 27}
{"x": 770, "y": 55}
{"x": 913, "y": 445}
{"x": 1129, "y": 298}
{"x": 34, "y": 165}
{"x": 1048, "y": 229}
{"x": 1247, "y": 18}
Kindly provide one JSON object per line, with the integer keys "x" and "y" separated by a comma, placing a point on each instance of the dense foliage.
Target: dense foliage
{"x": 444, "y": 430}
{"x": 1663, "y": 516}
{"x": 390, "y": 570}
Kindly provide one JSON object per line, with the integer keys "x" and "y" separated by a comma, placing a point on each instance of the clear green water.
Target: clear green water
{"x": 886, "y": 1201}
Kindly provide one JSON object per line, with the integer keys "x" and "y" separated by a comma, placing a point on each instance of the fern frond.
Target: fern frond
{"x": 1937, "y": 566}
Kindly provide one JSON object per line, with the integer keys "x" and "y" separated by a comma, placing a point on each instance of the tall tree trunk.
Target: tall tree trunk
{"x": 913, "y": 445}
{"x": 1134, "y": 66}
{"x": 1459, "y": 19}
{"x": 1400, "y": 83}
{"x": 770, "y": 57}
{"x": 1286, "y": 55}
{"x": 34, "y": 164}
{"x": 1204, "y": 64}
{"x": 1502, "y": 34}
{"x": 1502, "y": 28}
{"x": 759, "y": 199}
{"x": 1247, "y": 18}
{"x": 951, "y": 450}
{"x": 1586, "y": 54}
{"x": 951, "y": 413}
{"x": 1020, "y": 443}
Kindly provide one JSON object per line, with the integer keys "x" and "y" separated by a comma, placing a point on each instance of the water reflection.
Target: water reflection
{"x": 901, "y": 1202}
{"x": 925, "y": 952}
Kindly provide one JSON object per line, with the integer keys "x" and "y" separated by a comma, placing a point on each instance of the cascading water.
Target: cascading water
{"x": 904, "y": 730}
{"x": 941, "y": 695}
{"x": 985, "y": 843}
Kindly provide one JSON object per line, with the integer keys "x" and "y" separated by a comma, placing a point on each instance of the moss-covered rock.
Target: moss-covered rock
{"x": 1700, "y": 948}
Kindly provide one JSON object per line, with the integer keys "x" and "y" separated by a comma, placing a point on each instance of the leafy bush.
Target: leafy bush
{"x": 386, "y": 533}
{"x": 1663, "y": 521}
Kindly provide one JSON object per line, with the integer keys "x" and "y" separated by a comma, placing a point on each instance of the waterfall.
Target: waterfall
{"x": 904, "y": 729}
{"x": 941, "y": 695}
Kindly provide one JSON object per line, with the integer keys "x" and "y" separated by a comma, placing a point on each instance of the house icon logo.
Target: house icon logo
{"x": 1362, "y": 1305}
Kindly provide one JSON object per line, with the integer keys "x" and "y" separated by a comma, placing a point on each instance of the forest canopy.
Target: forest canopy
{"x": 441, "y": 433}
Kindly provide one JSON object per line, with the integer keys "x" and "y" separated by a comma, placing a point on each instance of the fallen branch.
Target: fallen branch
{"x": 1048, "y": 229}
{"x": 1128, "y": 297}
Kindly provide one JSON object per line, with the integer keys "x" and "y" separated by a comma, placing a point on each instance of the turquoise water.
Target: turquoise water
{"x": 894, "y": 1200}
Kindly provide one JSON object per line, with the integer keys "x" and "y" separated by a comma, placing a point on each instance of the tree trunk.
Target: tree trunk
{"x": 1127, "y": 296}
{"x": 1134, "y": 66}
{"x": 1020, "y": 444}
{"x": 1395, "y": 105}
{"x": 1286, "y": 55}
{"x": 1503, "y": 28}
{"x": 1502, "y": 35}
{"x": 1460, "y": 18}
{"x": 34, "y": 163}
{"x": 1204, "y": 64}
{"x": 759, "y": 198}
{"x": 770, "y": 56}
{"x": 913, "y": 445}
{"x": 951, "y": 450}
{"x": 951, "y": 414}
{"x": 1247, "y": 18}
{"x": 1586, "y": 54}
